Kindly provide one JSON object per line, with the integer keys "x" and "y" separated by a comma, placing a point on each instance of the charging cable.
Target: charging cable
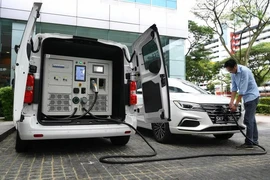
{"x": 65, "y": 118}
{"x": 106, "y": 159}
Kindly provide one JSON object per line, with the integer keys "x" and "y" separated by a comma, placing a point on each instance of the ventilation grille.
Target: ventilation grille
{"x": 59, "y": 102}
{"x": 220, "y": 113}
{"x": 101, "y": 103}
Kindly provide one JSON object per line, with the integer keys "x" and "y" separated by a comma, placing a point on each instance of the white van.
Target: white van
{"x": 72, "y": 87}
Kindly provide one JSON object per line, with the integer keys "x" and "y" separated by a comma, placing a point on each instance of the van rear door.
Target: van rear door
{"x": 22, "y": 63}
{"x": 149, "y": 61}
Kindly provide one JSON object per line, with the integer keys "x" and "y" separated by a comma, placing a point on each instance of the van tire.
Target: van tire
{"x": 223, "y": 136}
{"x": 120, "y": 140}
{"x": 161, "y": 132}
{"x": 21, "y": 145}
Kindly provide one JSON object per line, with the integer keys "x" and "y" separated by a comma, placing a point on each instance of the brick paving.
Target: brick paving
{"x": 79, "y": 159}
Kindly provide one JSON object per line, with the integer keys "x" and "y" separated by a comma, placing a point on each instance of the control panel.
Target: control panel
{"x": 67, "y": 85}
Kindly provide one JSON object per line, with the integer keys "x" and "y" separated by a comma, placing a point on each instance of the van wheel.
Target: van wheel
{"x": 223, "y": 136}
{"x": 161, "y": 132}
{"x": 120, "y": 140}
{"x": 21, "y": 145}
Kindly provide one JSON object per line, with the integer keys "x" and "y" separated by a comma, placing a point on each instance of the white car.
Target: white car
{"x": 194, "y": 111}
{"x": 75, "y": 87}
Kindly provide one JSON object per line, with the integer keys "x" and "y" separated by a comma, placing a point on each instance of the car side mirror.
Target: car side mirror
{"x": 154, "y": 66}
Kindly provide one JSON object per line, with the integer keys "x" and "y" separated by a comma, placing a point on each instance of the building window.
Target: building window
{"x": 144, "y": 1}
{"x": 5, "y": 51}
{"x": 159, "y": 3}
{"x": 173, "y": 48}
{"x": 171, "y": 4}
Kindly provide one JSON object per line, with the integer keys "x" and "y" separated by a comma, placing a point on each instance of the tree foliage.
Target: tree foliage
{"x": 198, "y": 35}
{"x": 199, "y": 68}
{"x": 259, "y": 61}
{"x": 234, "y": 14}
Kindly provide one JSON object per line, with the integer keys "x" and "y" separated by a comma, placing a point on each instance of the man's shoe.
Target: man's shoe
{"x": 245, "y": 146}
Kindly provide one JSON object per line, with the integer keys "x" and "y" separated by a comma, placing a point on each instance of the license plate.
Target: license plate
{"x": 219, "y": 118}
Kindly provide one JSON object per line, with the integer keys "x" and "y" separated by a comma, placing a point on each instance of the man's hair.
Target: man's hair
{"x": 230, "y": 63}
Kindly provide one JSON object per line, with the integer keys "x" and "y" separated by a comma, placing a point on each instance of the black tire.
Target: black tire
{"x": 223, "y": 136}
{"x": 21, "y": 145}
{"x": 120, "y": 140}
{"x": 161, "y": 132}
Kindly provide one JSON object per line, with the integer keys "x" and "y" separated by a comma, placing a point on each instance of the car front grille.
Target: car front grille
{"x": 221, "y": 114}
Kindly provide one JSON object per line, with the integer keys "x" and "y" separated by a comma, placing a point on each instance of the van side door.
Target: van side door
{"x": 148, "y": 60}
{"x": 22, "y": 63}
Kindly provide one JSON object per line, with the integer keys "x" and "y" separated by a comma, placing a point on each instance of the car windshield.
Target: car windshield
{"x": 186, "y": 87}
{"x": 181, "y": 86}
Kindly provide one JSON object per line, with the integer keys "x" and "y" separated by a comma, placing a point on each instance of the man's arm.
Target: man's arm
{"x": 238, "y": 99}
{"x": 232, "y": 97}
{"x": 234, "y": 90}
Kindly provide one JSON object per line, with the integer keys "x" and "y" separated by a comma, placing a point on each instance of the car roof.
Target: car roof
{"x": 171, "y": 81}
{"x": 174, "y": 81}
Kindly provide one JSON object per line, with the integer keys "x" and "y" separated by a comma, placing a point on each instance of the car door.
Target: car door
{"x": 148, "y": 60}
{"x": 22, "y": 63}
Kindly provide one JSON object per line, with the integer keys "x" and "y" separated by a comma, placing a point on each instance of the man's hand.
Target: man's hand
{"x": 231, "y": 105}
{"x": 233, "y": 108}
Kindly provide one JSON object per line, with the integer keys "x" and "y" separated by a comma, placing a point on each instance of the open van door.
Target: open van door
{"x": 22, "y": 63}
{"x": 149, "y": 60}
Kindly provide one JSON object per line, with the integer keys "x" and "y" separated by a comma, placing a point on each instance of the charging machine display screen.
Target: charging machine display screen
{"x": 80, "y": 73}
{"x": 98, "y": 69}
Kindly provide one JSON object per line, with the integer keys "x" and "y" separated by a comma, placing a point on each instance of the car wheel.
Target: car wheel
{"x": 161, "y": 132}
{"x": 21, "y": 145}
{"x": 223, "y": 136}
{"x": 120, "y": 140}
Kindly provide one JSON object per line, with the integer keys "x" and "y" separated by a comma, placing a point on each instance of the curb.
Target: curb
{"x": 7, "y": 133}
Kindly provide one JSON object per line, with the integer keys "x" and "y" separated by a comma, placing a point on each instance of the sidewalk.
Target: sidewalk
{"x": 263, "y": 118}
{"x": 6, "y": 128}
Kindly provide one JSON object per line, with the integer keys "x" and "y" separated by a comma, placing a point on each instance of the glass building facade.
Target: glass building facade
{"x": 11, "y": 32}
{"x": 171, "y": 4}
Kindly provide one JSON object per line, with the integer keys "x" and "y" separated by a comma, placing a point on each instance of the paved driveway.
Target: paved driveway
{"x": 79, "y": 159}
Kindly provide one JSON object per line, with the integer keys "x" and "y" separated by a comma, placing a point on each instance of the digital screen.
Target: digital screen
{"x": 79, "y": 73}
{"x": 98, "y": 69}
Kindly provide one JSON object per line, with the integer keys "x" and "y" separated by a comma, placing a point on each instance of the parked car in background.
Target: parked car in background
{"x": 265, "y": 89}
{"x": 194, "y": 111}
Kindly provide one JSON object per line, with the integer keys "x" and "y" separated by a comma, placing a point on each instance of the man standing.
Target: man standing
{"x": 244, "y": 82}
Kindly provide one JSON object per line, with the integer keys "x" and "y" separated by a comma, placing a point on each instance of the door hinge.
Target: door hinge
{"x": 163, "y": 80}
{"x": 32, "y": 69}
{"x": 22, "y": 118}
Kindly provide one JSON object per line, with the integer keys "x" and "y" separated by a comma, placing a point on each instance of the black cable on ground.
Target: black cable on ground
{"x": 105, "y": 159}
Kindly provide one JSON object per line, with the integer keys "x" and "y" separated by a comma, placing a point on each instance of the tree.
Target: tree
{"x": 234, "y": 14}
{"x": 198, "y": 65}
{"x": 259, "y": 61}
{"x": 198, "y": 35}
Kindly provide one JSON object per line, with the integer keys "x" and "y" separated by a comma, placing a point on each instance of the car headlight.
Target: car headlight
{"x": 188, "y": 106}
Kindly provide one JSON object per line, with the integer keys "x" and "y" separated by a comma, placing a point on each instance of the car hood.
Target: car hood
{"x": 200, "y": 98}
